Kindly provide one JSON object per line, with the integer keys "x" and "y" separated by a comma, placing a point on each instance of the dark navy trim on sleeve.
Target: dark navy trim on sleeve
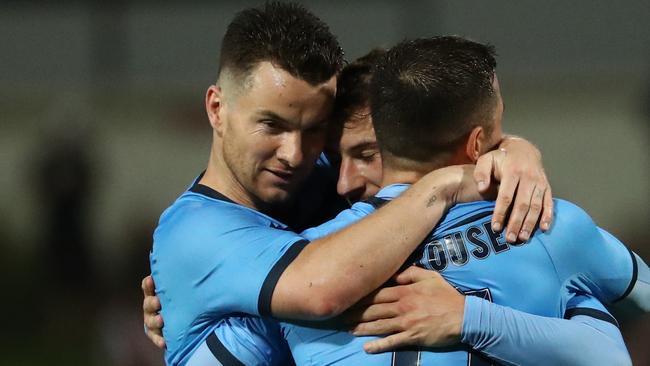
{"x": 635, "y": 274}
{"x": 264, "y": 300}
{"x": 597, "y": 314}
{"x": 220, "y": 352}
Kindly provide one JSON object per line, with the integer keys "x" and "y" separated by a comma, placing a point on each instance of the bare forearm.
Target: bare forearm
{"x": 333, "y": 273}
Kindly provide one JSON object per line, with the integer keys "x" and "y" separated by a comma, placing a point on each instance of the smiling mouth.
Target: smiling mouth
{"x": 285, "y": 176}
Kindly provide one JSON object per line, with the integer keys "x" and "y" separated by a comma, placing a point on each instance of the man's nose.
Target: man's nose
{"x": 351, "y": 183}
{"x": 290, "y": 151}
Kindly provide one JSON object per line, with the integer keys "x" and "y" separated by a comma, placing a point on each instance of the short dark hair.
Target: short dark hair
{"x": 428, "y": 93}
{"x": 353, "y": 86}
{"x": 286, "y": 34}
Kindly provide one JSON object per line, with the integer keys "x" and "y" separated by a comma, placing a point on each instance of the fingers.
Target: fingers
{"x": 384, "y": 295}
{"x": 377, "y": 327}
{"x": 528, "y": 225}
{"x": 154, "y": 323}
{"x": 157, "y": 340}
{"x": 483, "y": 171}
{"x": 533, "y": 201}
{"x": 151, "y": 304}
{"x": 520, "y": 208}
{"x": 389, "y": 343}
{"x": 547, "y": 213}
{"x": 504, "y": 199}
{"x": 414, "y": 274}
{"x": 148, "y": 287}
{"x": 375, "y": 312}
{"x": 524, "y": 191}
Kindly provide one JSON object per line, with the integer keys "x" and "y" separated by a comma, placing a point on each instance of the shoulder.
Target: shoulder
{"x": 192, "y": 205}
{"x": 465, "y": 214}
{"x": 574, "y": 238}
{"x": 571, "y": 218}
{"x": 198, "y": 212}
{"x": 194, "y": 220}
{"x": 343, "y": 219}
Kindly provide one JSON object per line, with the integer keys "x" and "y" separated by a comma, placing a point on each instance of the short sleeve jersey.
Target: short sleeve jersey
{"x": 555, "y": 274}
{"x": 213, "y": 258}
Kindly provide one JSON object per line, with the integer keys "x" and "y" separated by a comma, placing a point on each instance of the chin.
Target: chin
{"x": 277, "y": 197}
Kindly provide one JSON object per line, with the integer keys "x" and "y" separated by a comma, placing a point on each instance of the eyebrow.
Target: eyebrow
{"x": 265, "y": 113}
{"x": 364, "y": 144}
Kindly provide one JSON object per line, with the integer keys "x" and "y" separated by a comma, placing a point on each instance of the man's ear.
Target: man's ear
{"x": 214, "y": 107}
{"x": 475, "y": 143}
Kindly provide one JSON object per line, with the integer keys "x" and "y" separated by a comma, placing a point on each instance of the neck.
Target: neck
{"x": 398, "y": 173}
{"x": 396, "y": 176}
{"x": 219, "y": 177}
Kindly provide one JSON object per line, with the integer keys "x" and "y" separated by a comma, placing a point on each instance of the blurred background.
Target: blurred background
{"x": 102, "y": 126}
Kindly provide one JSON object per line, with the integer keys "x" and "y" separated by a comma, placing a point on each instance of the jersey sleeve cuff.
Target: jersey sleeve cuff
{"x": 472, "y": 314}
{"x": 635, "y": 274}
{"x": 594, "y": 313}
{"x": 264, "y": 300}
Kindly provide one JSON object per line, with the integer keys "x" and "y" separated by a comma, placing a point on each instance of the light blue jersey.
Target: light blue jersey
{"x": 555, "y": 274}
{"x": 213, "y": 258}
{"x": 542, "y": 276}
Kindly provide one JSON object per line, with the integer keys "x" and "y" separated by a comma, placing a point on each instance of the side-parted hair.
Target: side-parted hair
{"x": 427, "y": 94}
{"x": 286, "y": 34}
{"x": 353, "y": 86}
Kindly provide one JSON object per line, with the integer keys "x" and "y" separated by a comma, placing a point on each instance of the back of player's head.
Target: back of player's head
{"x": 353, "y": 87}
{"x": 285, "y": 34}
{"x": 428, "y": 94}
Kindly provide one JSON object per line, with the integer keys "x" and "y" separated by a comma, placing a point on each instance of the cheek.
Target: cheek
{"x": 375, "y": 172}
{"x": 263, "y": 147}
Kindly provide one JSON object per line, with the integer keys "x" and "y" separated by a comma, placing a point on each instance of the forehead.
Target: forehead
{"x": 269, "y": 88}
{"x": 267, "y": 79}
{"x": 357, "y": 130}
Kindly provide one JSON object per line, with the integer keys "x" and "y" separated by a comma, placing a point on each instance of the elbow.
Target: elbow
{"x": 618, "y": 359}
{"x": 621, "y": 357}
{"x": 311, "y": 303}
{"x": 325, "y": 307}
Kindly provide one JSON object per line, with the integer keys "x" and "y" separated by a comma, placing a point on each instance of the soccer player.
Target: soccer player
{"x": 412, "y": 110}
{"x": 578, "y": 334}
{"x": 275, "y": 90}
{"x": 416, "y": 76}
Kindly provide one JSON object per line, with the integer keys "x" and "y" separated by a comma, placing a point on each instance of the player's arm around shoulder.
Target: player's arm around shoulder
{"x": 334, "y": 272}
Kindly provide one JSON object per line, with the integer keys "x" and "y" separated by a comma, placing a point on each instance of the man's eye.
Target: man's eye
{"x": 368, "y": 156}
{"x": 270, "y": 125}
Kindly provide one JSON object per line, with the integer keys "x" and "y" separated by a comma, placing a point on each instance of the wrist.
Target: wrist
{"x": 476, "y": 320}
{"x": 456, "y": 325}
{"x": 435, "y": 190}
